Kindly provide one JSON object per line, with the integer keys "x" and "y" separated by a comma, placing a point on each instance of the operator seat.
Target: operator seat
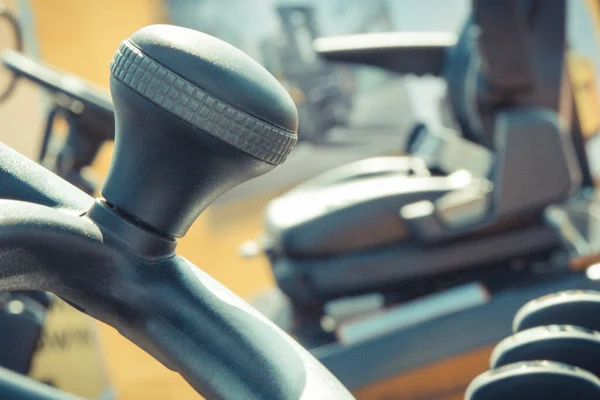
{"x": 355, "y": 206}
{"x": 337, "y": 234}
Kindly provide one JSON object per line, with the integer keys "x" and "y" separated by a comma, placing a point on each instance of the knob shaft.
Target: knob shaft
{"x": 194, "y": 117}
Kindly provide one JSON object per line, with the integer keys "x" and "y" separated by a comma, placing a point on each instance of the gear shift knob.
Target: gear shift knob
{"x": 194, "y": 117}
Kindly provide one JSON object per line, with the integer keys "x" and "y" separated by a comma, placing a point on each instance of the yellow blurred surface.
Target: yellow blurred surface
{"x": 82, "y": 36}
{"x": 583, "y": 80}
{"x": 69, "y": 355}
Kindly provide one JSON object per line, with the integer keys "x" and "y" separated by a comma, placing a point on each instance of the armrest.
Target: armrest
{"x": 404, "y": 53}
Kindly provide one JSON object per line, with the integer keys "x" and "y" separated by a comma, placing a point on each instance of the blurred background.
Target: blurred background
{"x": 347, "y": 113}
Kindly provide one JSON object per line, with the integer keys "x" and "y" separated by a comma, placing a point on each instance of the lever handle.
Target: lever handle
{"x": 194, "y": 117}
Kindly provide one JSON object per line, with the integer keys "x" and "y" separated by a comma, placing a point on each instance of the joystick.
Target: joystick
{"x": 217, "y": 116}
{"x": 193, "y": 118}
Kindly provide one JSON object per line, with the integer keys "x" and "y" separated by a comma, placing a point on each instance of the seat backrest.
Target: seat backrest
{"x": 521, "y": 102}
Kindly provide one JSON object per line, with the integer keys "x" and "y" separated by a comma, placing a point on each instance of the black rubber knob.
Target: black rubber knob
{"x": 194, "y": 117}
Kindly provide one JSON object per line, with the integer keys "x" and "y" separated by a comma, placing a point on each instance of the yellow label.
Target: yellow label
{"x": 585, "y": 89}
{"x": 69, "y": 355}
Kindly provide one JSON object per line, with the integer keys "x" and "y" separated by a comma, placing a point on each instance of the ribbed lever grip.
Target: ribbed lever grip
{"x": 199, "y": 108}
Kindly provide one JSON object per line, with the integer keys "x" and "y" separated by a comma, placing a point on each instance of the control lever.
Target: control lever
{"x": 87, "y": 109}
{"x": 194, "y": 117}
